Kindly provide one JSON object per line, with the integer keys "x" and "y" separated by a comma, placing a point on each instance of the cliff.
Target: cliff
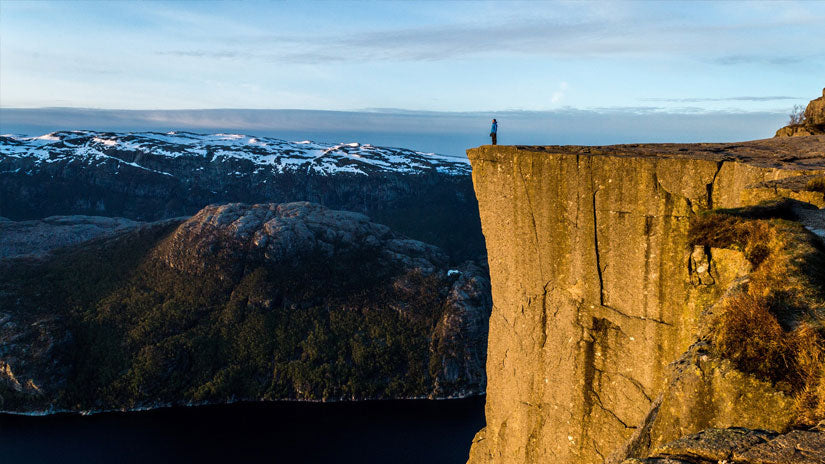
{"x": 270, "y": 301}
{"x": 602, "y": 339}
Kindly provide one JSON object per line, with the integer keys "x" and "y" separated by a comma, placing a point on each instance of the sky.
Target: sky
{"x": 615, "y": 71}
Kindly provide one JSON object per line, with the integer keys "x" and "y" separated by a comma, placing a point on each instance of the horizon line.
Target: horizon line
{"x": 402, "y": 111}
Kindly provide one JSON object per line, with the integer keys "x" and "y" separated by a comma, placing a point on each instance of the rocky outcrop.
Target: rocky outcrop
{"x": 741, "y": 445}
{"x": 239, "y": 302}
{"x": 37, "y": 238}
{"x": 813, "y": 120}
{"x": 815, "y": 112}
{"x": 222, "y": 237}
{"x": 596, "y": 292}
{"x": 460, "y": 338}
{"x": 800, "y": 130}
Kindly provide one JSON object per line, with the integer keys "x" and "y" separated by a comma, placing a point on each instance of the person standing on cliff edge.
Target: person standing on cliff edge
{"x": 494, "y": 131}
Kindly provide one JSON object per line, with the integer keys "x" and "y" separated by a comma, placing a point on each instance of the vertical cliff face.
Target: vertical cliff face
{"x": 595, "y": 289}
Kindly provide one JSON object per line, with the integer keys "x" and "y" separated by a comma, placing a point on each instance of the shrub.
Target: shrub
{"x": 797, "y": 115}
{"x": 749, "y": 335}
{"x": 725, "y": 231}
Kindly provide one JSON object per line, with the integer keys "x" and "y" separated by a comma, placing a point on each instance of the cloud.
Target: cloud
{"x": 723, "y": 99}
{"x": 429, "y": 43}
{"x": 558, "y": 95}
{"x": 203, "y": 53}
{"x": 555, "y": 34}
{"x": 733, "y": 60}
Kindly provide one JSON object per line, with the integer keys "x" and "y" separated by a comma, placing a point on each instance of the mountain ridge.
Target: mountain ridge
{"x": 280, "y": 155}
{"x": 147, "y": 176}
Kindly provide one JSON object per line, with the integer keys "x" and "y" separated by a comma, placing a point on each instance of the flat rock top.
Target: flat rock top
{"x": 789, "y": 153}
{"x": 38, "y": 238}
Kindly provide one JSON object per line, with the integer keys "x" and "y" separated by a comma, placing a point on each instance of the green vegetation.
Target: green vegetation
{"x": 142, "y": 332}
{"x": 775, "y": 328}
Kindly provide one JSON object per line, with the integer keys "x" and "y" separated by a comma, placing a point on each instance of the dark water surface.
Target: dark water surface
{"x": 417, "y": 431}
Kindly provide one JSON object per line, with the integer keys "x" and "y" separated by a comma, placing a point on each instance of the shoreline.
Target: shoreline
{"x": 162, "y": 406}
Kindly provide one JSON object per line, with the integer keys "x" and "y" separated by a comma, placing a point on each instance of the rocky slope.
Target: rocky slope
{"x": 239, "y": 302}
{"x": 148, "y": 176}
{"x": 738, "y": 445}
{"x": 813, "y": 123}
{"x": 38, "y": 238}
{"x": 610, "y": 280}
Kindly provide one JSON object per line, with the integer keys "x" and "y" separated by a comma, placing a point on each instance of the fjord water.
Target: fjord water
{"x": 398, "y": 431}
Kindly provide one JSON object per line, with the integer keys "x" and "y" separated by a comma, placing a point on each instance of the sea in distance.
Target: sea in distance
{"x": 397, "y": 431}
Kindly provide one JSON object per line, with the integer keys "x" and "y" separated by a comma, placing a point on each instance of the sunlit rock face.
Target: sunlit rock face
{"x": 596, "y": 291}
{"x": 815, "y": 112}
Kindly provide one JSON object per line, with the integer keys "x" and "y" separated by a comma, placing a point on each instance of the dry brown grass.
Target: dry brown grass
{"x": 816, "y": 185}
{"x": 725, "y": 231}
{"x": 750, "y": 336}
{"x": 773, "y": 329}
{"x": 810, "y": 360}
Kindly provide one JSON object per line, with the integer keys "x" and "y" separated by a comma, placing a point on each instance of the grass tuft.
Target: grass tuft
{"x": 725, "y": 231}
{"x": 775, "y": 328}
{"x": 816, "y": 185}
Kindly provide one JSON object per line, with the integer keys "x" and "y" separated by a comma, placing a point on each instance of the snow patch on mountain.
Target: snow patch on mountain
{"x": 278, "y": 155}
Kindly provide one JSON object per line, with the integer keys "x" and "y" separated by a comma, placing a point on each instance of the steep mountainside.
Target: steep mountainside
{"x": 239, "y": 302}
{"x": 626, "y": 315}
{"x": 150, "y": 176}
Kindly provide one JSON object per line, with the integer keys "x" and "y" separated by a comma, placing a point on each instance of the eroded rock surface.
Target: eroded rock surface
{"x": 741, "y": 445}
{"x": 215, "y": 237}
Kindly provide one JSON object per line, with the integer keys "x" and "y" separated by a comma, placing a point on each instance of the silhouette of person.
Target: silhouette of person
{"x": 494, "y": 131}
